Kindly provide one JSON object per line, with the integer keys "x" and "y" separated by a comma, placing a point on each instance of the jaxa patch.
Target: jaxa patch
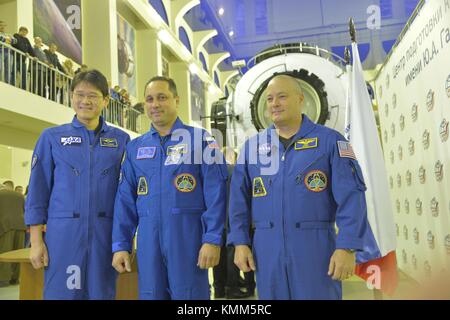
{"x": 142, "y": 189}
{"x": 177, "y": 149}
{"x": 185, "y": 182}
{"x": 346, "y": 150}
{"x": 109, "y": 142}
{"x": 316, "y": 181}
{"x": 146, "y": 153}
{"x": 70, "y": 140}
{"x": 34, "y": 161}
{"x": 308, "y": 143}
{"x": 259, "y": 190}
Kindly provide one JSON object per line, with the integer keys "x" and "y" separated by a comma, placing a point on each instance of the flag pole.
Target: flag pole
{"x": 377, "y": 294}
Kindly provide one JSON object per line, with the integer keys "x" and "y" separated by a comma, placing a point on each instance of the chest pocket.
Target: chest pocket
{"x": 67, "y": 186}
{"x": 314, "y": 176}
{"x": 187, "y": 189}
{"x": 261, "y": 194}
{"x": 107, "y": 188}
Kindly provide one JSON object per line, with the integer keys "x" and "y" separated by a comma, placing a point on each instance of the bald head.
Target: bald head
{"x": 293, "y": 83}
{"x": 284, "y": 101}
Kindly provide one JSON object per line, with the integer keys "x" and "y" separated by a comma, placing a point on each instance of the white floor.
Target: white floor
{"x": 354, "y": 289}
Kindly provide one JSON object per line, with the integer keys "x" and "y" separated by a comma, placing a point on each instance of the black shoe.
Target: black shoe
{"x": 13, "y": 282}
{"x": 236, "y": 293}
{"x": 219, "y": 293}
{"x": 251, "y": 291}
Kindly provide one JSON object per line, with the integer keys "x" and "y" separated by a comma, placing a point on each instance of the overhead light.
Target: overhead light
{"x": 193, "y": 68}
{"x": 164, "y": 36}
{"x": 231, "y": 33}
{"x": 221, "y": 11}
{"x": 238, "y": 63}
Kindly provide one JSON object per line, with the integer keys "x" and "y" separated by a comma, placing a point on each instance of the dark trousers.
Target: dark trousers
{"x": 227, "y": 274}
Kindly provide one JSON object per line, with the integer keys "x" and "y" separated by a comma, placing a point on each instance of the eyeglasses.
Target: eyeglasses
{"x": 89, "y": 97}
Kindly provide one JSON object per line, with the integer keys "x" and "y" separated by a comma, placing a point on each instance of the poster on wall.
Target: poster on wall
{"x": 413, "y": 92}
{"x": 59, "y": 22}
{"x": 197, "y": 100}
{"x": 126, "y": 55}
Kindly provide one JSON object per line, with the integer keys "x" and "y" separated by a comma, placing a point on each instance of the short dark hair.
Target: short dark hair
{"x": 23, "y": 29}
{"x": 8, "y": 182}
{"x": 93, "y": 77}
{"x": 172, "y": 85}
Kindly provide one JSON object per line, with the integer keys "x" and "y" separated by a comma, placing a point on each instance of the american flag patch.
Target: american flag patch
{"x": 345, "y": 150}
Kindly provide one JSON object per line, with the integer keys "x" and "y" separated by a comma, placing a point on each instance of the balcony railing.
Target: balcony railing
{"x": 32, "y": 75}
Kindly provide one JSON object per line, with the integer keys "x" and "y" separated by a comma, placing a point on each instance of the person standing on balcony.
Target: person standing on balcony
{"x": 19, "y": 63}
{"x": 6, "y": 40}
{"x": 53, "y": 59}
{"x": 38, "y": 69}
{"x": 74, "y": 177}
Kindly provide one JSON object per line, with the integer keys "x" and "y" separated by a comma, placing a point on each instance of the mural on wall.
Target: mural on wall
{"x": 59, "y": 22}
{"x": 197, "y": 100}
{"x": 414, "y": 88}
{"x": 126, "y": 55}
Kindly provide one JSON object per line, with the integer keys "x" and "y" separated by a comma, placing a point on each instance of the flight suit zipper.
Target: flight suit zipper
{"x": 160, "y": 219}
{"x": 91, "y": 180}
{"x": 283, "y": 157}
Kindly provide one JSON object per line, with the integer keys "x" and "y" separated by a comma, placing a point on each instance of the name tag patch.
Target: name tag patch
{"x": 109, "y": 142}
{"x": 70, "y": 140}
{"x": 146, "y": 153}
{"x": 304, "y": 144}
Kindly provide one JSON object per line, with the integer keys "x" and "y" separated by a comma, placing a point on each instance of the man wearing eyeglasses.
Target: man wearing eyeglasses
{"x": 74, "y": 178}
{"x": 173, "y": 188}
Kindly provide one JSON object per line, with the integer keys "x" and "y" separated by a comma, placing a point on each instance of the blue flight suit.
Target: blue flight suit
{"x": 294, "y": 210}
{"x": 177, "y": 200}
{"x": 74, "y": 178}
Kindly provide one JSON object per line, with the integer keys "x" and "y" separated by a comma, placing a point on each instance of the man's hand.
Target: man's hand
{"x": 342, "y": 264}
{"x": 208, "y": 256}
{"x": 39, "y": 255}
{"x": 243, "y": 258}
{"x": 121, "y": 261}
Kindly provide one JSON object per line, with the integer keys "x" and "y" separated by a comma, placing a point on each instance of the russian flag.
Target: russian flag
{"x": 377, "y": 263}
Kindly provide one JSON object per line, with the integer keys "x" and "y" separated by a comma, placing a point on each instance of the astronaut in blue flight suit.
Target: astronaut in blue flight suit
{"x": 172, "y": 190}
{"x": 313, "y": 181}
{"x": 73, "y": 182}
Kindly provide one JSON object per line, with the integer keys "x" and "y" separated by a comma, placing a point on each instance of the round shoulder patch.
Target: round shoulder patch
{"x": 185, "y": 182}
{"x": 316, "y": 181}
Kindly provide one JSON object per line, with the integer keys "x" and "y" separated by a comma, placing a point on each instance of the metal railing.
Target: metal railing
{"x": 30, "y": 74}
{"x": 298, "y": 48}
